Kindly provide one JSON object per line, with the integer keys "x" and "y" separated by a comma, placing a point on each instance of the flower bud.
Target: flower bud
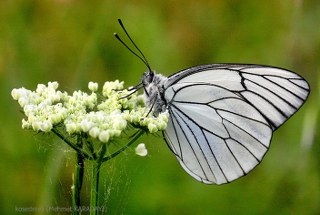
{"x": 141, "y": 150}
{"x": 104, "y": 136}
{"x": 94, "y": 132}
{"x": 93, "y": 86}
{"x": 152, "y": 128}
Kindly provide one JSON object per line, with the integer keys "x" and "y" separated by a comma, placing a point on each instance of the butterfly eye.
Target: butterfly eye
{"x": 147, "y": 78}
{"x": 150, "y": 76}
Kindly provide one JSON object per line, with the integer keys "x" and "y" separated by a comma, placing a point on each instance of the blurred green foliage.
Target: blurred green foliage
{"x": 71, "y": 41}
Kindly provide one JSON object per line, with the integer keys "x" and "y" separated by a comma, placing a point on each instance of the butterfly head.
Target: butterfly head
{"x": 152, "y": 83}
{"x": 147, "y": 78}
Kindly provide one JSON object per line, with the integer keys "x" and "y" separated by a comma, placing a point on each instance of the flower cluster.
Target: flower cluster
{"x": 101, "y": 115}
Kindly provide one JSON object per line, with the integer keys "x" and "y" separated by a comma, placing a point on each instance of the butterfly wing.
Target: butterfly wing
{"x": 222, "y": 116}
{"x": 276, "y": 93}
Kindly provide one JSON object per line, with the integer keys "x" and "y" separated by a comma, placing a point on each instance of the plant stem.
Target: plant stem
{"x": 78, "y": 178}
{"x": 133, "y": 140}
{"x": 72, "y": 145}
{"x": 77, "y": 184}
{"x": 94, "y": 187}
{"x": 96, "y": 164}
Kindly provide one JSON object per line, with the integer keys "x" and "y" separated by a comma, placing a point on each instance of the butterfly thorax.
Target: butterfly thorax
{"x": 153, "y": 85}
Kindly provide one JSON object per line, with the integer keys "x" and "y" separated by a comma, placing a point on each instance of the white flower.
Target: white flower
{"x": 86, "y": 125}
{"x": 71, "y": 128}
{"x": 17, "y": 93}
{"x": 36, "y": 125}
{"x": 115, "y": 133}
{"x": 54, "y": 85}
{"x": 94, "y": 132}
{"x": 25, "y": 124}
{"x": 110, "y": 86}
{"x": 45, "y": 126}
{"x": 152, "y": 128}
{"x": 141, "y": 150}
{"x": 23, "y": 101}
{"x": 104, "y": 136}
{"x": 93, "y": 86}
{"x": 40, "y": 88}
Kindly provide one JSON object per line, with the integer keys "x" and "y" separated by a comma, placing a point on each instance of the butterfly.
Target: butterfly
{"x": 222, "y": 116}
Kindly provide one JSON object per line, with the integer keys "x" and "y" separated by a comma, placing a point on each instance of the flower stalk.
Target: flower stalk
{"x": 132, "y": 141}
{"x": 77, "y": 180}
{"x": 94, "y": 190}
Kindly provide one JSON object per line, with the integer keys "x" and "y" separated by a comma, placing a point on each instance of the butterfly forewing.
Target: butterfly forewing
{"x": 276, "y": 93}
{"x": 222, "y": 116}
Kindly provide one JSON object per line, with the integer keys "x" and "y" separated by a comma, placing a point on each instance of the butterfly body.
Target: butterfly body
{"x": 153, "y": 85}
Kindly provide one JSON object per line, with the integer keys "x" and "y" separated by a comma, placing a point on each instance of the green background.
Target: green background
{"x": 71, "y": 41}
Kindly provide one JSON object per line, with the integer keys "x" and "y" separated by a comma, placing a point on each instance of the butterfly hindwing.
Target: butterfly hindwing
{"x": 222, "y": 116}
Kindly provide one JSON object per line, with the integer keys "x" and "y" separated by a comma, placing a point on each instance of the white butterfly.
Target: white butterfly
{"x": 222, "y": 116}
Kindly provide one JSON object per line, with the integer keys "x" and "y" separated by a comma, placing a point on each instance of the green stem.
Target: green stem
{"x": 78, "y": 178}
{"x": 72, "y": 145}
{"x": 77, "y": 184}
{"x": 94, "y": 187}
{"x": 91, "y": 149}
{"x": 94, "y": 201}
{"x": 133, "y": 140}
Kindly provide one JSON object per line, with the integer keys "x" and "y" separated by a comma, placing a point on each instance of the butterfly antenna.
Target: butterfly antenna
{"x": 143, "y": 58}
{"x": 133, "y": 90}
{"x": 137, "y": 87}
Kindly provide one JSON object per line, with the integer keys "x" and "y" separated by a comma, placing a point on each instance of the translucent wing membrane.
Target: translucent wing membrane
{"x": 222, "y": 116}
